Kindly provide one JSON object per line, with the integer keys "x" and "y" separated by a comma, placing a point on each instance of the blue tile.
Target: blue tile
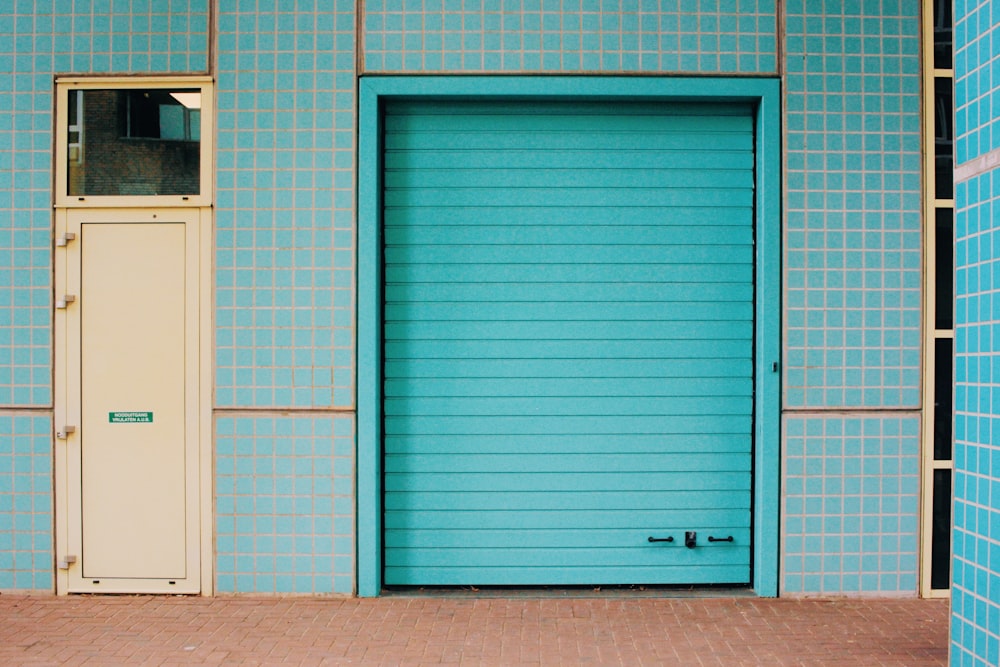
{"x": 829, "y": 511}
{"x": 279, "y": 513}
{"x": 26, "y": 519}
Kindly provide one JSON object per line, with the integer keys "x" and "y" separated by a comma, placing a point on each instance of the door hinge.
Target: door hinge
{"x": 65, "y": 432}
{"x": 61, "y": 241}
{"x": 65, "y": 301}
{"x": 66, "y": 562}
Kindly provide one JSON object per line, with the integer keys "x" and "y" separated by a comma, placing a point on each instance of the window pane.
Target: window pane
{"x": 944, "y": 138}
{"x": 944, "y": 268}
{"x": 942, "y": 34}
{"x": 942, "y": 399}
{"x": 172, "y": 122}
{"x": 134, "y": 142}
{"x": 941, "y": 531}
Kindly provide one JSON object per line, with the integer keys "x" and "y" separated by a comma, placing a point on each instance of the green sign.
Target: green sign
{"x": 130, "y": 417}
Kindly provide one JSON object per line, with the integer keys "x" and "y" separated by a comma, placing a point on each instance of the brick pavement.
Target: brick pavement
{"x": 463, "y": 630}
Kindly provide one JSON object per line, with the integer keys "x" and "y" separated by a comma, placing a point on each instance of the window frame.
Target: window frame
{"x": 70, "y": 85}
{"x": 936, "y": 122}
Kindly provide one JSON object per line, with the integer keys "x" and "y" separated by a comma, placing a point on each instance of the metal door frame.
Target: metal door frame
{"x": 67, "y": 394}
{"x": 764, "y": 93}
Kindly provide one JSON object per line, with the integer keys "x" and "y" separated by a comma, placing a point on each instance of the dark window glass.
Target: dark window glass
{"x": 942, "y": 34}
{"x": 941, "y": 531}
{"x": 944, "y": 269}
{"x": 173, "y": 115}
{"x": 942, "y": 399}
{"x": 134, "y": 142}
{"x": 944, "y": 139}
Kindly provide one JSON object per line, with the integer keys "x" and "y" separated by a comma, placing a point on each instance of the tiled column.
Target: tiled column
{"x": 975, "y": 627}
{"x": 852, "y": 311}
{"x": 284, "y": 262}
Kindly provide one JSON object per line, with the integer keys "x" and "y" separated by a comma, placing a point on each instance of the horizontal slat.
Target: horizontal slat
{"x": 580, "y": 557}
{"x": 574, "y": 538}
{"x": 602, "y": 138}
{"x": 579, "y": 443}
{"x": 504, "y": 108}
{"x": 527, "y": 503}
{"x": 527, "y": 463}
{"x": 531, "y": 481}
{"x": 481, "y": 196}
{"x": 505, "y": 212}
{"x": 500, "y": 329}
{"x": 570, "y": 368}
{"x": 567, "y": 349}
{"x": 574, "y": 518}
{"x": 590, "y": 387}
{"x": 568, "y": 425}
{"x": 590, "y": 177}
{"x": 609, "y": 272}
{"x": 718, "y": 311}
{"x": 610, "y": 235}
{"x": 483, "y": 292}
{"x": 575, "y": 117}
{"x": 511, "y": 575}
{"x": 511, "y": 158}
{"x": 568, "y": 253}
{"x": 567, "y": 406}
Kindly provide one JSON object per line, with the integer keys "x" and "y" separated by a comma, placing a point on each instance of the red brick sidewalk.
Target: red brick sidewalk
{"x": 486, "y": 631}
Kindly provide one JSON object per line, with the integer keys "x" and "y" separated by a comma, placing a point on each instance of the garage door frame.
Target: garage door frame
{"x": 374, "y": 92}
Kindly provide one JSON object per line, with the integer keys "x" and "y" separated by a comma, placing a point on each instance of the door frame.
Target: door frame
{"x": 764, "y": 93}
{"x": 67, "y": 389}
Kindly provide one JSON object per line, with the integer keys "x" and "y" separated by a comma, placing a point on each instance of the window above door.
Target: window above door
{"x": 134, "y": 141}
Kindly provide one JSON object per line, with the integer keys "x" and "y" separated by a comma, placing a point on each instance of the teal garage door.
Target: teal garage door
{"x": 568, "y": 343}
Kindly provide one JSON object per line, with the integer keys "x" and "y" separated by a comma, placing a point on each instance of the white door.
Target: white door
{"x": 132, "y": 321}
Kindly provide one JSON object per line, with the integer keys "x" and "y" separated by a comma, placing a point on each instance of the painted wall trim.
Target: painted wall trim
{"x": 373, "y": 91}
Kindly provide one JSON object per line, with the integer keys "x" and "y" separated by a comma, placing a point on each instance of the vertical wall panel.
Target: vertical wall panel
{"x": 852, "y": 280}
{"x": 975, "y": 627}
{"x": 707, "y": 36}
{"x": 853, "y": 205}
{"x": 26, "y": 523}
{"x": 284, "y": 499}
{"x": 284, "y": 216}
{"x": 850, "y": 508}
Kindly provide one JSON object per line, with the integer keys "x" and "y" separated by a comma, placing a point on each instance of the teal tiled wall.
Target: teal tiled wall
{"x": 853, "y": 205}
{"x": 975, "y": 626}
{"x": 705, "y": 36}
{"x": 284, "y": 504}
{"x": 285, "y": 205}
{"x": 105, "y": 36}
{"x": 850, "y": 504}
{"x": 26, "y": 520}
{"x": 284, "y": 297}
{"x": 852, "y": 289}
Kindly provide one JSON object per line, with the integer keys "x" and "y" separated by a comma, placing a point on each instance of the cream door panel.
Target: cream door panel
{"x": 133, "y": 351}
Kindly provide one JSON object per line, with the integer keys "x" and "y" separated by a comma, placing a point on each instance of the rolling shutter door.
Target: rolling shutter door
{"x": 568, "y": 343}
